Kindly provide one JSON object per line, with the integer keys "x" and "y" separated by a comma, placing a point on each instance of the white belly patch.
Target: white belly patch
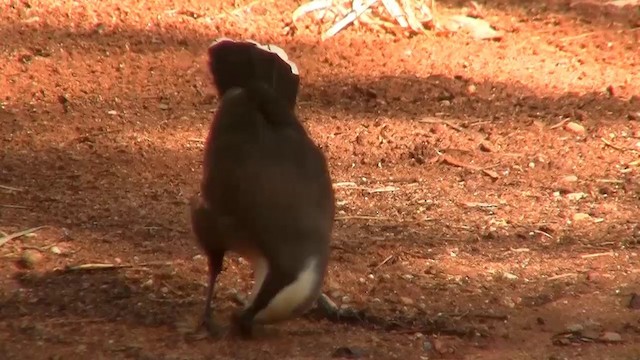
{"x": 290, "y": 297}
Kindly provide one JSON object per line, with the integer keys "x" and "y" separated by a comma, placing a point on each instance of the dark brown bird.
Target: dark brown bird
{"x": 266, "y": 192}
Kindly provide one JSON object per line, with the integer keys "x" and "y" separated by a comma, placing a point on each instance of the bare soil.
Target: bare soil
{"x": 471, "y": 215}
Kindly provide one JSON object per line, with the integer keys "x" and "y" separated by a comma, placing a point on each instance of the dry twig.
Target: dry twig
{"x": 609, "y": 143}
{"x": 10, "y": 188}
{"x": 386, "y": 260}
{"x": 109, "y": 266}
{"x": 18, "y": 234}
{"x": 361, "y": 217}
{"x": 588, "y": 256}
{"x": 9, "y": 206}
{"x": 558, "y": 125}
{"x": 562, "y": 276}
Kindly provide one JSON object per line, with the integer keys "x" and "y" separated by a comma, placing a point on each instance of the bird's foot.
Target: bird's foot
{"x": 207, "y": 328}
{"x": 243, "y": 324}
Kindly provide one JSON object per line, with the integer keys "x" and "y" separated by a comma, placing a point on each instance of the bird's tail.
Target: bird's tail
{"x": 245, "y": 64}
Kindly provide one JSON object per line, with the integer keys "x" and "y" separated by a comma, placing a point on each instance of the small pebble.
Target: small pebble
{"x": 55, "y": 250}
{"x": 508, "y": 302}
{"x": 569, "y": 179}
{"x": 427, "y": 346}
{"x": 348, "y": 352}
{"x": 406, "y": 300}
{"x": 510, "y": 276}
{"x": 346, "y": 299}
{"x": 581, "y": 216}
{"x": 576, "y": 196}
{"x": 610, "y": 336}
{"x": 30, "y": 258}
{"x": 634, "y": 302}
{"x": 575, "y": 128}
{"x": 593, "y": 276}
{"x": 575, "y": 328}
{"x": 407, "y": 277}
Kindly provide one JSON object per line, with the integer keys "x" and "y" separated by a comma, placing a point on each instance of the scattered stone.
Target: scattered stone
{"x": 346, "y": 299}
{"x": 569, "y": 179}
{"x": 112, "y": 112}
{"x": 30, "y": 258}
{"x": 510, "y": 276}
{"x": 508, "y": 302}
{"x": 163, "y": 106}
{"x": 348, "y": 352}
{"x": 407, "y": 277}
{"x": 557, "y": 357}
{"x": 439, "y": 346}
{"x": 55, "y": 250}
{"x": 590, "y": 334}
{"x": 427, "y": 346}
{"x": 487, "y": 147}
{"x": 634, "y": 302}
{"x": 575, "y": 328}
{"x": 576, "y": 196}
{"x": 575, "y": 128}
{"x": 406, "y": 301}
{"x": 581, "y": 217}
{"x": 610, "y": 336}
{"x": 593, "y": 276}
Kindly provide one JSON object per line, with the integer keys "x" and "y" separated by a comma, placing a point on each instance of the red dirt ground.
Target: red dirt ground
{"x": 104, "y": 105}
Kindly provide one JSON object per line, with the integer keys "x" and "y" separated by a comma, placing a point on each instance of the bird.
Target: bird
{"x": 412, "y": 15}
{"x": 266, "y": 192}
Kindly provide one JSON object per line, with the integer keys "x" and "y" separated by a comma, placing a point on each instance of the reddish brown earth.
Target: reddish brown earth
{"x": 104, "y": 106}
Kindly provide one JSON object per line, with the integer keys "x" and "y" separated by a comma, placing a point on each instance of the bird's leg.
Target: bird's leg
{"x": 207, "y": 322}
